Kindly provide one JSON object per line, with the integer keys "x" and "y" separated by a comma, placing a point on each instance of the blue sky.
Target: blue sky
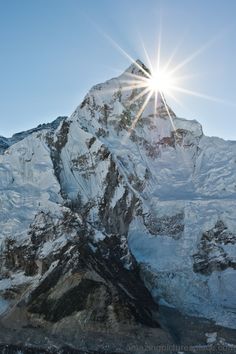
{"x": 53, "y": 51}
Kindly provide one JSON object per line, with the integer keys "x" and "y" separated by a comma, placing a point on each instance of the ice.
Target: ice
{"x": 170, "y": 169}
{"x": 3, "y": 305}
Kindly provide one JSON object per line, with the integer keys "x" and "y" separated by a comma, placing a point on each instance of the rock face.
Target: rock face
{"x": 101, "y": 220}
{"x": 212, "y": 255}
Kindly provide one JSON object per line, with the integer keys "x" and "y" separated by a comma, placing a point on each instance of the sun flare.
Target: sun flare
{"x": 160, "y": 82}
{"x": 150, "y": 83}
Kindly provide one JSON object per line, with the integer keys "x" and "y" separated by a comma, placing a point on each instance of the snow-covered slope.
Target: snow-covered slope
{"x": 164, "y": 192}
{"x": 5, "y": 143}
{"x": 185, "y": 185}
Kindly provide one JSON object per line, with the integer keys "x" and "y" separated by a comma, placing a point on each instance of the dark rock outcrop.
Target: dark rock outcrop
{"x": 212, "y": 256}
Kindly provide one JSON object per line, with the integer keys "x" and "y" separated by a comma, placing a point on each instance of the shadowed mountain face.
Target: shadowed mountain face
{"x": 101, "y": 220}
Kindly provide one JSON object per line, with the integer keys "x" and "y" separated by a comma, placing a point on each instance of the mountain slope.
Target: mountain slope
{"x": 185, "y": 186}
{"x": 99, "y": 219}
{"x": 5, "y": 143}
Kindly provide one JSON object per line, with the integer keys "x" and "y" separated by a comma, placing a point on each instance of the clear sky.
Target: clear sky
{"x": 53, "y": 51}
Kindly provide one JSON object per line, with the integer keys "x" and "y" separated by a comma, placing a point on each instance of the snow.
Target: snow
{"x": 190, "y": 125}
{"x": 99, "y": 236}
{"x": 52, "y": 246}
{"x": 119, "y": 192}
{"x": 169, "y": 173}
{"x": 78, "y": 175}
{"x": 5, "y": 143}
{"x": 171, "y": 260}
{"x": 16, "y": 279}
{"x": 211, "y": 337}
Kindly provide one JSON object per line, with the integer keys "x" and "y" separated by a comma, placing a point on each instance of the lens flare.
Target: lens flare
{"x": 160, "y": 81}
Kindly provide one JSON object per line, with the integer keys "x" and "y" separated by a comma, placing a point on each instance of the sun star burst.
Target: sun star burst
{"x": 161, "y": 82}
{"x": 151, "y": 83}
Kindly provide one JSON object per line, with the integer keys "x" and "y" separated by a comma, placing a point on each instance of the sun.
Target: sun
{"x": 160, "y": 81}
{"x": 155, "y": 81}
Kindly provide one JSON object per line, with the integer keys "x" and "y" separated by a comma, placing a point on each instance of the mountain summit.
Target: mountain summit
{"x": 102, "y": 219}
{"x": 138, "y": 68}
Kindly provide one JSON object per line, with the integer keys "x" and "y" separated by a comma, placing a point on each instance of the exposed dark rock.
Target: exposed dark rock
{"x": 56, "y": 147}
{"x": 74, "y": 300}
{"x": 163, "y": 111}
{"x": 18, "y": 257}
{"x": 115, "y": 219}
{"x": 85, "y": 102}
{"x": 91, "y": 104}
{"x": 24, "y": 349}
{"x": 4, "y": 144}
{"x": 212, "y": 256}
{"x": 102, "y": 133}
{"x": 104, "y": 114}
{"x": 91, "y": 142}
{"x": 172, "y": 226}
{"x": 95, "y": 281}
{"x": 97, "y": 285}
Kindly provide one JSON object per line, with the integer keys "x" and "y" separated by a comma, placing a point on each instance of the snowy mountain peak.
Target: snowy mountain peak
{"x": 137, "y": 68}
{"x": 114, "y": 186}
{"x": 117, "y": 108}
